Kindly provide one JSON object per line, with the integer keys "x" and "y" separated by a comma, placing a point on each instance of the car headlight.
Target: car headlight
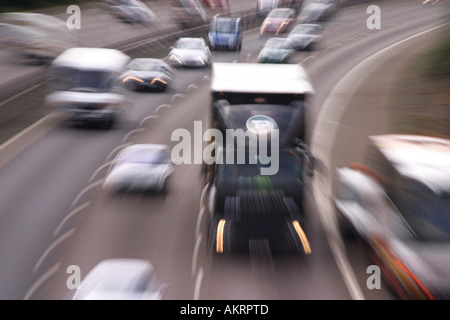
{"x": 132, "y": 78}
{"x": 175, "y": 58}
{"x": 202, "y": 59}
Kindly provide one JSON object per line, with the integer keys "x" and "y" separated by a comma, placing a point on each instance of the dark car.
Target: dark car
{"x": 305, "y": 36}
{"x": 278, "y": 21}
{"x": 276, "y": 50}
{"x": 398, "y": 202}
{"x": 314, "y": 11}
{"x": 147, "y": 74}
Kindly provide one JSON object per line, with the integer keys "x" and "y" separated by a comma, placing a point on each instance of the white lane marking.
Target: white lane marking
{"x": 41, "y": 280}
{"x": 117, "y": 149}
{"x": 24, "y": 132}
{"x": 153, "y": 116}
{"x": 191, "y": 87}
{"x": 102, "y": 167}
{"x": 163, "y": 106}
{"x": 89, "y": 187}
{"x": 177, "y": 95}
{"x": 70, "y": 215}
{"x": 19, "y": 94}
{"x": 308, "y": 58}
{"x": 195, "y": 255}
{"x": 131, "y": 133}
{"x": 341, "y": 95}
{"x": 198, "y": 283}
{"x": 199, "y": 221}
{"x": 202, "y": 210}
{"x": 51, "y": 247}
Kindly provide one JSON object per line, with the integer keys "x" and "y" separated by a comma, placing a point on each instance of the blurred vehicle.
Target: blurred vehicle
{"x": 276, "y": 50}
{"x": 314, "y": 11}
{"x": 286, "y": 86}
{"x": 259, "y": 221}
{"x": 254, "y": 98}
{"x": 278, "y": 21}
{"x": 263, "y": 7}
{"x": 188, "y": 13}
{"x": 249, "y": 210}
{"x": 85, "y": 83}
{"x": 34, "y": 36}
{"x": 398, "y": 202}
{"x": 217, "y": 6}
{"x": 147, "y": 74}
{"x": 225, "y": 33}
{"x": 190, "y": 52}
{"x": 140, "y": 167}
{"x": 121, "y": 279}
{"x": 132, "y": 11}
{"x": 305, "y": 36}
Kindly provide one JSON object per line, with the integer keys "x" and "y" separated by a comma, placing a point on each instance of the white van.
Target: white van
{"x": 85, "y": 83}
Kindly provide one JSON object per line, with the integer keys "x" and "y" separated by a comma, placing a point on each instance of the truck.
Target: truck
{"x": 245, "y": 204}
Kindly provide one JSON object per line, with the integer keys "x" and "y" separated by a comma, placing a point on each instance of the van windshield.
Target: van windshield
{"x": 69, "y": 79}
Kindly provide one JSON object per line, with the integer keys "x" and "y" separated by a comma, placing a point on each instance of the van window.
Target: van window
{"x": 69, "y": 79}
{"x": 427, "y": 213}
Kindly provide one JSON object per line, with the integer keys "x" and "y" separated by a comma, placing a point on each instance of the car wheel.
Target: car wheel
{"x": 109, "y": 123}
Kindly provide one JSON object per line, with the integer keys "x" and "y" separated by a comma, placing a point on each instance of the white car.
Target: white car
{"x": 132, "y": 11}
{"x": 140, "y": 167}
{"x": 305, "y": 36}
{"x": 121, "y": 279}
{"x": 190, "y": 52}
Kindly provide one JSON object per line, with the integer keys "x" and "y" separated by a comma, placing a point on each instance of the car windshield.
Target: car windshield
{"x": 277, "y": 44}
{"x": 146, "y": 66}
{"x": 223, "y": 26}
{"x": 305, "y": 29}
{"x": 267, "y": 4}
{"x": 188, "y": 44}
{"x": 278, "y": 14}
{"x": 143, "y": 156}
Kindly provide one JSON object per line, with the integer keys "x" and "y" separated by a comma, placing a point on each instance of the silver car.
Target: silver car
{"x": 121, "y": 279}
{"x": 190, "y": 52}
{"x": 140, "y": 167}
{"x": 305, "y": 36}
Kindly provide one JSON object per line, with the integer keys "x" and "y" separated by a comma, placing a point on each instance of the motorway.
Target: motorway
{"x": 53, "y": 212}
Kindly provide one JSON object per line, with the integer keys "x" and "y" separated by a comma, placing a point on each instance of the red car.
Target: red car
{"x": 280, "y": 20}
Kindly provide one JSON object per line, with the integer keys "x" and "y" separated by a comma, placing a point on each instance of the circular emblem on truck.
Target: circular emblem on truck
{"x": 261, "y": 124}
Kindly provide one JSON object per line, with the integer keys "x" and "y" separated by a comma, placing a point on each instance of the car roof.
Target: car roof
{"x": 260, "y": 78}
{"x": 149, "y": 61}
{"x": 92, "y": 59}
{"x": 422, "y": 158}
{"x": 302, "y": 25}
{"x": 124, "y": 273}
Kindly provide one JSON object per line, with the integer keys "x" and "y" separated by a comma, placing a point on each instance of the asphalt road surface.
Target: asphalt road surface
{"x": 54, "y": 214}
